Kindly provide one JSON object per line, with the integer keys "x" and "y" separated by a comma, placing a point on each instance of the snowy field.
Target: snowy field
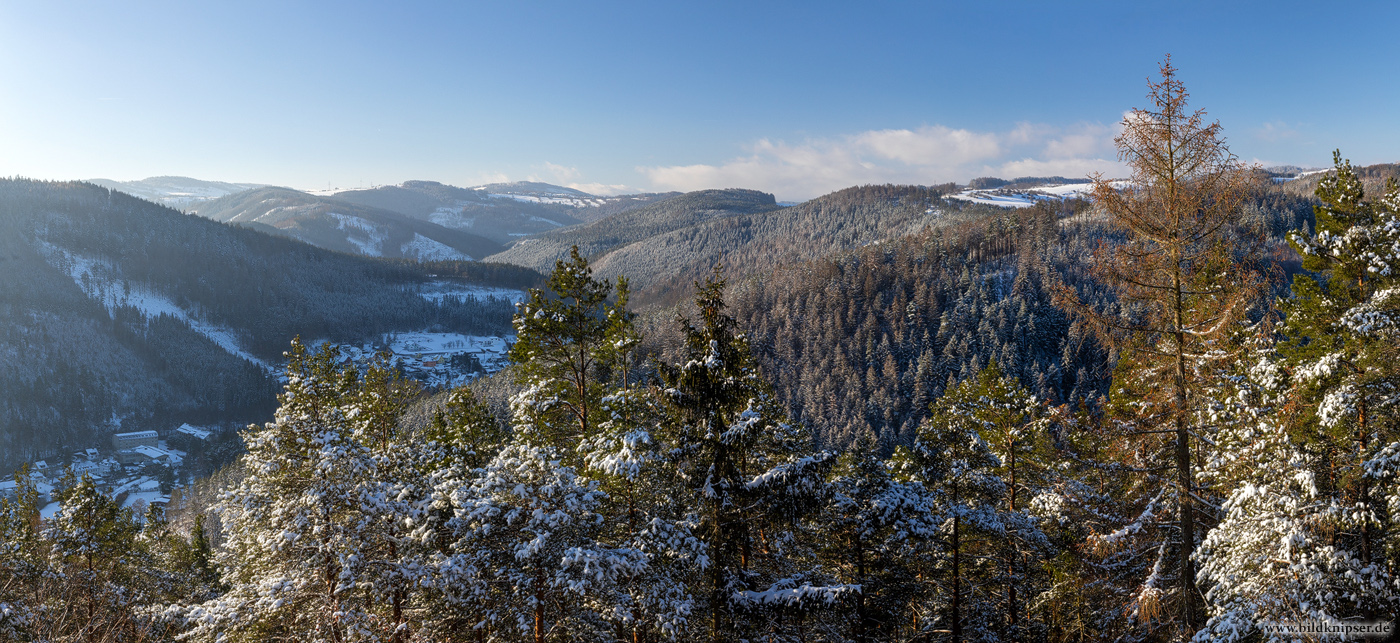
{"x": 425, "y": 249}
{"x": 571, "y": 201}
{"x": 1025, "y": 198}
{"x": 436, "y": 291}
{"x": 992, "y": 197}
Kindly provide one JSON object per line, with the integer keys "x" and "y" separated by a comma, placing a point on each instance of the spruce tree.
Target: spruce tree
{"x": 743, "y": 463}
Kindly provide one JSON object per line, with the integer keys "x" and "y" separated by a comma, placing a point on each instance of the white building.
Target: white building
{"x": 194, "y": 432}
{"x": 123, "y": 441}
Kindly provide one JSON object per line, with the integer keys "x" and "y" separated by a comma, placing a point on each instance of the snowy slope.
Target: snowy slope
{"x": 176, "y": 191}
{"x": 102, "y": 281}
{"x": 1026, "y": 197}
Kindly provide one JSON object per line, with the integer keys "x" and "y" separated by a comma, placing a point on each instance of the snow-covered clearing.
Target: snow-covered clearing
{"x": 373, "y": 246}
{"x": 1025, "y": 198}
{"x": 436, "y": 291}
{"x": 425, "y": 249}
{"x": 991, "y": 197}
{"x": 452, "y": 218}
{"x": 572, "y": 201}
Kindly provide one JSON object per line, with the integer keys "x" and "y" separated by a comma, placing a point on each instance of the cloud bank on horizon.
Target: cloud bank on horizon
{"x": 927, "y": 155}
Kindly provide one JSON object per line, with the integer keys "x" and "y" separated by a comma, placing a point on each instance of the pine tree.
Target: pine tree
{"x": 295, "y": 528}
{"x": 1275, "y": 556}
{"x": 971, "y": 505}
{"x": 570, "y": 342}
{"x": 862, "y": 535}
{"x": 22, "y": 561}
{"x": 103, "y": 566}
{"x": 1343, "y": 329}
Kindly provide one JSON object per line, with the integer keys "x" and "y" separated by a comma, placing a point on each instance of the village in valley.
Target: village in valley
{"x": 137, "y": 468}
{"x": 144, "y": 468}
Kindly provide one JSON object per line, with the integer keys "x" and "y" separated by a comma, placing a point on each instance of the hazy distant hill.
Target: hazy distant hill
{"x": 665, "y": 246}
{"x": 1373, "y": 178}
{"x": 336, "y": 224}
{"x": 503, "y": 212}
{"x": 177, "y": 192}
{"x": 606, "y": 235}
{"x": 115, "y": 308}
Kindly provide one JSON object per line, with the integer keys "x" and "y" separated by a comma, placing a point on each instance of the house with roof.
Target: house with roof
{"x": 123, "y": 441}
{"x": 194, "y": 432}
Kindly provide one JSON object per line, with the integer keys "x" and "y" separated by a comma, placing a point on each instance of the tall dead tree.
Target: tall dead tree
{"x": 1185, "y": 277}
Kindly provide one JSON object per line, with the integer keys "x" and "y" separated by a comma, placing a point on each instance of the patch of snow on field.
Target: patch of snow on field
{"x": 425, "y": 249}
{"x": 572, "y": 201}
{"x": 988, "y": 197}
{"x": 98, "y": 279}
{"x": 1025, "y": 198}
{"x": 374, "y": 245}
{"x": 436, "y": 291}
{"x": 451, "y": 218}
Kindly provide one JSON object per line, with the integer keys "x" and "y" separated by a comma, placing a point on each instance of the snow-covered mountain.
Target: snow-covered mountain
{"x": 336, "y": 224}
{"x": 502, "y": 212}
{"x": 178, "y": 192}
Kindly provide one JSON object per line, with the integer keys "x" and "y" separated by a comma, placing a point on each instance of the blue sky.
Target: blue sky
{"x": 794, "y": 98}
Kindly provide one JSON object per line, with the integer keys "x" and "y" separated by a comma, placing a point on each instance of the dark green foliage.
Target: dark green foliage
{"x": 567, "y": 348}
{"x": 71, "y": 366}
{"x": 1340, "y": 325}
{"x": 727, "y": 431}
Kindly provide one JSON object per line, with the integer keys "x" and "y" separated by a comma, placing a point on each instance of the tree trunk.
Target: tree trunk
{"x": 957, "y": 582}
{"x": 860, "y": 596}
{"x": 1187, "y": 517}
{"x": 1014, "y": 619}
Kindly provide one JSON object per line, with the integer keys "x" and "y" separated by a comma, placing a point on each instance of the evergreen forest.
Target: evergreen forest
{"x": 1169, "y": 412}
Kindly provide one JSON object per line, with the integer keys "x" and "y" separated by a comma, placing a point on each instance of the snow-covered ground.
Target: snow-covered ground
{"x": 425, "y": 249}
{"x": 1024, "y": 198}
{"x": 371, "y": 247}
{"x": 568, "y": 200}
{"x": 428, "y": 356}
{"x": 98, "y": 278}
{"x": 424, "y": 344}
{"x": 176, "y": 191}
{"x": 436, "y": 291}
{"x": 992, "y": 197}
{"x": 452, "y": 218}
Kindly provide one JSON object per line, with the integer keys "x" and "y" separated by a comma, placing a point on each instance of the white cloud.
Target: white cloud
{"x": 602, "y": 189}
{"x": 1276, "y": 131}
{"x": 927, "y": 155}
{"x": 935, "y": 145}
{"x": 554, "y": 173}
{"x": 1069, "y": 168}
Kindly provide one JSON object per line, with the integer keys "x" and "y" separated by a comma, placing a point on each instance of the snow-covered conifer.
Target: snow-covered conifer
{"x": 745, "y": 467}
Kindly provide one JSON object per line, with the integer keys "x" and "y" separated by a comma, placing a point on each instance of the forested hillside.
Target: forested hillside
{"x": 664, "y": 248}
{"x": 602, "y": 237}
{"x": 1165, "y": 413}
{"x": 115, "y": 309}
